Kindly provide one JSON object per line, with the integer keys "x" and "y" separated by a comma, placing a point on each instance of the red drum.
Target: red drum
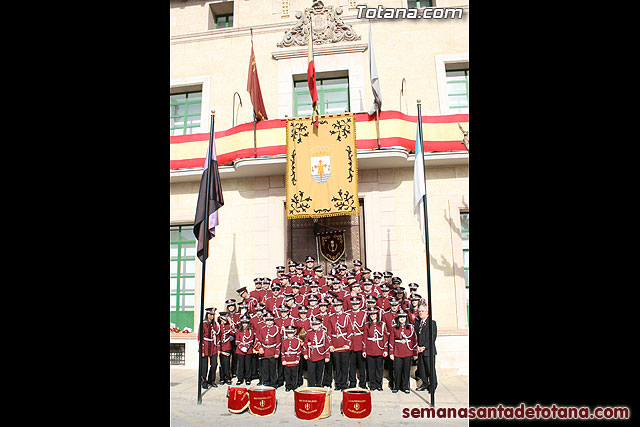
{"x": 237, "y": 399}
{"x": 356, "y": 403}
{"x": 312, "y": 403}
{"x": 262, "y": 400}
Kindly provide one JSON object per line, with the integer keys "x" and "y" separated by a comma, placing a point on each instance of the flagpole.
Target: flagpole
{"x": 205, "y": 253}
{"x": 255, "y": 146}
{"x": 426, "y": 239}
{"x": 378, "y": 124}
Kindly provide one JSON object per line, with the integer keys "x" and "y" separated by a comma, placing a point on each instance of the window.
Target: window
{"x": 182, "y": 275}
{"x": 176, "y": 353}
{"x": 224, "y": 21}
{"x": 185, "y": 113}
{"x": 333, "y": 96}
{"x": 419, "y": 3}
{"x": 220, "y": 14}
{"x": 464, "y": 225}
{"x": 458, "y": 90}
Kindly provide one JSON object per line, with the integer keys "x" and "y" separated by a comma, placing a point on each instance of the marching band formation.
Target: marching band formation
{"x": 345, "y": 327}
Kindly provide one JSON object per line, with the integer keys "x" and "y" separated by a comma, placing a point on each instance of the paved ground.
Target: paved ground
{"x": 452, "y": 392}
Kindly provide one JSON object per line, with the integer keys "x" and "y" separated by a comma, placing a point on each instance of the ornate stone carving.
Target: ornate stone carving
{"x": 327, "y": 25}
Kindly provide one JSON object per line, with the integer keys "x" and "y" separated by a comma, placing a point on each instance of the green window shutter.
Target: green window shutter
{"x": 182, "y": 249}
{"x": 458, "y": 90}
{"x": 333, "y": 97}
{"x": 184, "y": 112}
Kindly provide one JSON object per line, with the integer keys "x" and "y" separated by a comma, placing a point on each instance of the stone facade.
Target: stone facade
{"x": 250, "y": 242}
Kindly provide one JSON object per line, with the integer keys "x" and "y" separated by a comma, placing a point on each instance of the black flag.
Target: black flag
{"x": 215, "y": 198}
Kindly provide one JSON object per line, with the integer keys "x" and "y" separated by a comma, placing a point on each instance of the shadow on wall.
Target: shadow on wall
{"x": 233, "y": 280}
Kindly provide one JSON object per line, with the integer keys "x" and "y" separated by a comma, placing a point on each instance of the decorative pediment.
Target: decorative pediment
{"x": 327, "y": 26}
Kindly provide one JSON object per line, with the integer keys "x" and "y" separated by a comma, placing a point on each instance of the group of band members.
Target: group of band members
{"x": 347, "y": 326}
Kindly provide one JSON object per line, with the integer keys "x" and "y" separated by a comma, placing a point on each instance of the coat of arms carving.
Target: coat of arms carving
{"x": 327, "y": 26}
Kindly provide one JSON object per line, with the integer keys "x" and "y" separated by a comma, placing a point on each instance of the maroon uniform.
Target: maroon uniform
{"x": 303, "y": 324}
{"x": 389, "y": 317}
{"x": 283, "y": 322}
{"x": 210, "y": 338}
{"x": 252, "y": 302}
{"x": 273, "y": 302}
{"x": 258, "y": 294}
{"x": 359, "y": 319}
{"x": 299, "y": 299}
{"x": 268, "y": 339}
{"x": 245, "y": 340}
{"x": 256, "y": 322}
{"x": 383, "y": 303}
{"x": 339, "y": 327}
{"x": 226, "y": 334}
{"x": 375, "y": 340}
{"x": 403, "y": 341}
{"x": 234, "y": 319}
{"x": 290, "y": 350}
{"x": 316, "y": 345}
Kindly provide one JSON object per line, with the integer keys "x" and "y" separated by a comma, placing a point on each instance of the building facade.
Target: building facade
{"x": 424, "y": 59}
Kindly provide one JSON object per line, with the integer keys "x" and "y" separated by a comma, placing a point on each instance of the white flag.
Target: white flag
{"x": 375, "y": 83}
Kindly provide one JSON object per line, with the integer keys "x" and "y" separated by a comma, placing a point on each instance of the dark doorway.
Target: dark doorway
{"x": 301, "y": 240}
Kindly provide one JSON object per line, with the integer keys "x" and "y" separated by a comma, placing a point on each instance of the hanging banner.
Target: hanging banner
{"x": 332, "y": 245}
{"x": 322, "y": 167}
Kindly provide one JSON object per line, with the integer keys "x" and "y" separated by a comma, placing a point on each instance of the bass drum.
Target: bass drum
{"x": 356, "y": 403}
{"x": 262, "y": 401}
{"x": 312, "y": 403}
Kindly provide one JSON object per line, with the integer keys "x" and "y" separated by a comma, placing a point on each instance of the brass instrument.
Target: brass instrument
{"x": 302, "y": 334}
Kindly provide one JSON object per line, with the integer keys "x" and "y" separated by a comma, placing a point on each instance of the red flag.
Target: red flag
{"x": 253, "y": 87}
{"x": 311, "y": 79}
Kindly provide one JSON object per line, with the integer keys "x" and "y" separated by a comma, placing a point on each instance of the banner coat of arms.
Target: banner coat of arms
{"x": 322, "y": 167}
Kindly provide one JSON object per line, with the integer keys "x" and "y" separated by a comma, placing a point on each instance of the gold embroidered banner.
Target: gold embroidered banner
{"x": 322, "y": 167}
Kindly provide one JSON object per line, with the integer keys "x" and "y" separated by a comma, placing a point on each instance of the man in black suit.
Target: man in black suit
{"x": 425, "y": 348}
